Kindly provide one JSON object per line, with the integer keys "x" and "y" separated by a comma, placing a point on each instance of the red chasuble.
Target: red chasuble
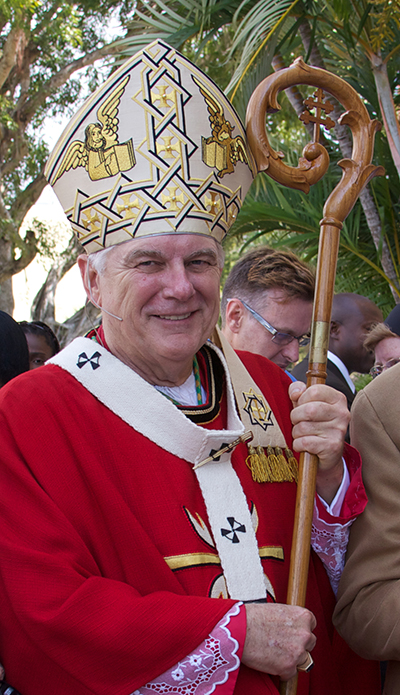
{"x": 108, "y": 567}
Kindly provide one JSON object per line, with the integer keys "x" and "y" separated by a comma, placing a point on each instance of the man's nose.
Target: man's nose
{"x": 291, "y": 351}
{"x": 178, "y": 284}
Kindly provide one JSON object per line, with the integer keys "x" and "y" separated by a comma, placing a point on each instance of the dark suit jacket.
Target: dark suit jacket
{"x": 335, "y": 378}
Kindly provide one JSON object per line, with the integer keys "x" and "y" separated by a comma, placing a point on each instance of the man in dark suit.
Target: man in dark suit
{"x": 352, "y": 317}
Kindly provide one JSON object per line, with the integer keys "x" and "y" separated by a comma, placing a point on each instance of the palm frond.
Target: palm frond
{"x": 254, "y": 31}
{"x": 176, "y": 22}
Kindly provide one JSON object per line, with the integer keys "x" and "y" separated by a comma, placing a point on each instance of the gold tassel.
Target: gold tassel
{"x": 271, "y": 467}
{"x": 256, "y": 462}
{"x": 292, "y": 461}
{"x": 268, "y": 477}
{"x": 253, "y": 462}
{"x": 278, "y": 474}
{"x": 286, "y": 470}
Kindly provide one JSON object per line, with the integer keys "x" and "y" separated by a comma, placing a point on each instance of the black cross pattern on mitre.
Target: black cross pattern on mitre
{"x": 235, "y": 528}
{"x": 93, "y": 360}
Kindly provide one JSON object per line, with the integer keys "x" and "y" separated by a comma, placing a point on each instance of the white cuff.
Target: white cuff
{"x": 335, "y": 507}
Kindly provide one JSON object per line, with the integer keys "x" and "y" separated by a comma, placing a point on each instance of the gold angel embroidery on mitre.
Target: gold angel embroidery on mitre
{"x": 101, "y": 154}
{"x": 221, "y": 150}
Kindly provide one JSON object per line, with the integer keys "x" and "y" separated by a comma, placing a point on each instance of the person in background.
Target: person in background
{"x": 14, "y": 360}
{"x": 368, "y": 608}
{"x": 385, "y": 345}
{"x": 266, "y": 304}
{"x": 42, "y": 342}
{"x": 352, "y": 317}
{"x": 14, "y": 355}
{"x": 393, "y": 320}
{"x": 384, "y": 342}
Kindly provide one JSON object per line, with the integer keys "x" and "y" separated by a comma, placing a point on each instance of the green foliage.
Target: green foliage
{"x": 234, "y": 42}
{"x": 290, "y": 219}
{"x": 197, "y": 22}
{"x": 49, "y": 239}
{"x": 361, "y": 381}
{"x": 262, "y": 18}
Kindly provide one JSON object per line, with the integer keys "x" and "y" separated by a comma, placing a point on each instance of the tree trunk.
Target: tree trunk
{"x": 6, "y": 297}
{"x": 43, "y": 306}
{"x": 386, "y": 103}
{"x": 80, "y": 323}
{"x": 293, "y": 94}
{"x": 6, "y": 294}
{"x": 366, "y": 198}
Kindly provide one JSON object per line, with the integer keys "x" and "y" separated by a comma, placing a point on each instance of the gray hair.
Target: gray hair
{"x": 98, "y": 259}
{"x": 377, "y": 333}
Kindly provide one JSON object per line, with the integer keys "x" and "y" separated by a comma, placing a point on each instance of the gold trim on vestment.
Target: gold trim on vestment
{"x": 269, "y": 458}
{"x": 180, "y": 562}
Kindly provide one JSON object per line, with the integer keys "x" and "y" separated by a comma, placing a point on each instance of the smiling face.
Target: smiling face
{"x": 166, "y": 290}
{"x": 288, "y": 315}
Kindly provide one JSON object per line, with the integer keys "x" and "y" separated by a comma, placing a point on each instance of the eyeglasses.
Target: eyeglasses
{"x": 379, "y": 368}
{"x": 277, "y": 336}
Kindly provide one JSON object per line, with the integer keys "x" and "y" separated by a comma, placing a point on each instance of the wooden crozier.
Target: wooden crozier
{"x": 357, "y": 172}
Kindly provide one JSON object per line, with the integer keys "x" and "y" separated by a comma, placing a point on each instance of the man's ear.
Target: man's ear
{"x": 335, "y": 330}
{"x": 89, "y": 277}
{"x": 234, "y": 315}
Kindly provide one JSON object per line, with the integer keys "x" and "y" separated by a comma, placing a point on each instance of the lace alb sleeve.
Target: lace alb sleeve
{"x": 330, "y": 539}
{"x": 207, "y": 668}
{"x": 330, "y": 543}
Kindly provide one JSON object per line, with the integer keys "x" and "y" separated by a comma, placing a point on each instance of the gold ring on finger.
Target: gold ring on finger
{"x": 307, "y": 665}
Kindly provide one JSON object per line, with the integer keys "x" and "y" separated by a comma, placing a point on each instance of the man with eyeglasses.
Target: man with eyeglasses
{"x": 352, "y": 317}
{"x": 384, "y": 342}
{"x": 266, "y": 305}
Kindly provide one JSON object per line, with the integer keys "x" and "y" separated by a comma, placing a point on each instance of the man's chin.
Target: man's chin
{"x": 180, "y": 346}
{"x": 282, "y": 365}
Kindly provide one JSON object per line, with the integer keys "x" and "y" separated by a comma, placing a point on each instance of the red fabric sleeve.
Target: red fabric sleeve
{"x": 355, "y": 498}
{"x": 84, "y": 632}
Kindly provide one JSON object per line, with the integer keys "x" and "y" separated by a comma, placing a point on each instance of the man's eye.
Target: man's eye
{"x": 38, "y": 361}
{"x": 143, "y": 265}
{"x": 199, "y": 262}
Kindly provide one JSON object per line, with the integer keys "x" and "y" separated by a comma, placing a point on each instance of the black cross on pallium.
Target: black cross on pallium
{"x": 93, "y": 360}
{"x": 235, "y": 528}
